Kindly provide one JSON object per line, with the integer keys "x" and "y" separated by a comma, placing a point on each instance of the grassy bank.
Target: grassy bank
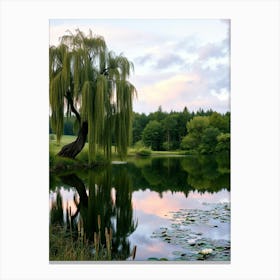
{"x": 58, "y": 163}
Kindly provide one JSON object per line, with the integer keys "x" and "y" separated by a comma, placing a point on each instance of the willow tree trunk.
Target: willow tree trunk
{"x": 74, "y": 148}
{"x": 74, "y": 181}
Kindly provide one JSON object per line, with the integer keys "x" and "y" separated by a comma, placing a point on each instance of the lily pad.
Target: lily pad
{"x": 177, "y": 253}
{"x": 188, "y": 230}
{"x": 152, "y": 259}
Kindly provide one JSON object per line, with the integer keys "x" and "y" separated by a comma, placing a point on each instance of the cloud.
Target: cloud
{"x": 216, "y": 76}
{"x": 204, "y": 89}
{"x": 188, "y": 44}
{"x": 222, "y": 95}
{"x": 168, "y": 60}
{"x": 174, "y": 92}
{"x": 118, "y": 38}
{"x": 210, "y": 50}
{"x": 177, "y": 63}
{"x": 165, "y": 91}
{"x": 144, "y": 59}
{"x": 160, "y": 61}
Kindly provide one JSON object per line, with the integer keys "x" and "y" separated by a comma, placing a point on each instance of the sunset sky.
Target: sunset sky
{"x": 178, "y": 62}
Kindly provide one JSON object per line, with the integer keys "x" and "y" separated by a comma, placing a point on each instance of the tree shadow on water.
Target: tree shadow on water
{"x": 100, "y": 213}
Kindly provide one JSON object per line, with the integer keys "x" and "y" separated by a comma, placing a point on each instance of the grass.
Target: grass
{"x": 144, "y": 152}
{"x": 65, "y": 139}
{"x": 63, "y": 247}
{"x": 58, "y": 163}
{"x": 168, "y": 153}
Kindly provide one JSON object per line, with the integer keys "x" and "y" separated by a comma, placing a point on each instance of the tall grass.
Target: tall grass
{"x": 64, "y": 247}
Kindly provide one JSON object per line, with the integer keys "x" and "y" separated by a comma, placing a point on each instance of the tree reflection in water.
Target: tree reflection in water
{"x": 107, "y": 193}
{"x": 105, "y": 203}
{"x": 208, "y": 173}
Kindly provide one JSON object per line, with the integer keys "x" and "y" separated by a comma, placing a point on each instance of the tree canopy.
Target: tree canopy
{"x": 152, "y": 135}
{"x": 204, "y": 132}
{"x": 90, "y": 82}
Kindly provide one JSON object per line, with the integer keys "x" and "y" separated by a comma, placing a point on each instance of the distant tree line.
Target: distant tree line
{"x": 70, "y": 126}
{"x": 203, "y": 132}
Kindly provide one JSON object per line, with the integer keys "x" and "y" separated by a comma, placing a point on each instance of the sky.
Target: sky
{"x": 177, "y": 62}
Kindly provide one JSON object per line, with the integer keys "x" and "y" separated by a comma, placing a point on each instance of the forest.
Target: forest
{"x": 203, "y": 131}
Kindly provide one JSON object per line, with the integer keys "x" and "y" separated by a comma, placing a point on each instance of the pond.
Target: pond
{"x": 156, "y": 208}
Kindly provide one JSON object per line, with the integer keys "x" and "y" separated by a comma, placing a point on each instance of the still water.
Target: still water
{"x": 170, "y": 208}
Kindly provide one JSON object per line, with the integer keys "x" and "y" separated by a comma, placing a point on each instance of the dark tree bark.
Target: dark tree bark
{"x": 72, "y": 149}
{"x": 73, "y": 180}
{"x": 70, "y": 103}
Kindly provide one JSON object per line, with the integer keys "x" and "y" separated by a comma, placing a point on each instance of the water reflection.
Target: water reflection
{"x": 208, "y": 173}
{"x": 182, "y": 174}
{"x": 102, "y": 201}
{"x": 103, "y": 198}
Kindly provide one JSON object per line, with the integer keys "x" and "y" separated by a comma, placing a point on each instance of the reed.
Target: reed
{"x": 102, "y": 252}
{"x": 64, "y": 247}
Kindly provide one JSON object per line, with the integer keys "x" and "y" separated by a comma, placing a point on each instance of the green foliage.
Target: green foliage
{"x": 62, "y": 163}
{"x": 83, "y": 72}
{"x": 139, "y": 145}
{"x": 139, "y": 123}
{"x": 223, "y": 142}
{"x": 197, "y": 125}
{"x": 170, "y": 145}
{"x": 169, "y": 126}
{"x": 59, "y": 76}
{"x": 183, "y": 130}
{"x": 159, "y": 115}
{"x": 205, "y": 136}
{"x": 209, "y": 140}
{"x": 205, "y": 172}
{"x": 144, "y": 152}
{"x": 189, "y": 143}
{"x": 63, "y": 247}
{"x": 219, "y": 121}
{"x": 70, "y": 126}
{"x": 152, "y": 135}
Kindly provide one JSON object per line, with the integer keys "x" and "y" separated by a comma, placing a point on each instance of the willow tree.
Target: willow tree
{"x": 91, "y": 83}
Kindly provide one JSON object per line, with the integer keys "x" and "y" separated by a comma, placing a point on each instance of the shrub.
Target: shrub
{"x": 223, "y": 142}
{"x": 144, "y": 152}
{"x": 139, "y": 145}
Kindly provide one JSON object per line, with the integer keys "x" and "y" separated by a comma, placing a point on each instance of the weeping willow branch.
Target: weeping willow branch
{"x": 71, "y": 104}
{"x": 82, "y": 69}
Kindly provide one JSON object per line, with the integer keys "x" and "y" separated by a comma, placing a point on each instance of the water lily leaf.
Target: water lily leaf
{"x": 152, "y": 259}
{"x": 200, "y": 257}
{"x": 177, "y": 253}
{"x": 185, "y": 232}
